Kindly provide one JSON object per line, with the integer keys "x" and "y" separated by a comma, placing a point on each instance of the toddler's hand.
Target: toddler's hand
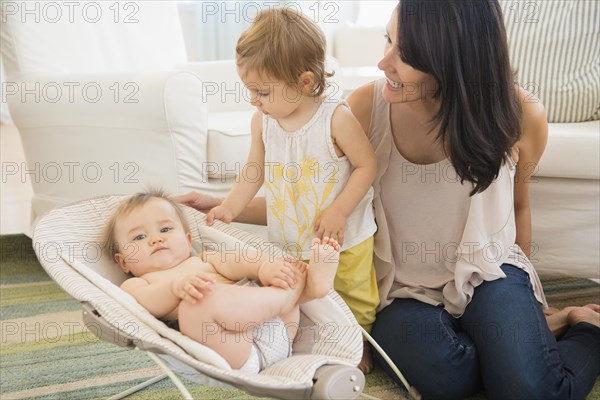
{"x": 190, "y": 287}
{"x": 331, "y": 224}
{"x": 279, "y": 273}
{"x": 221, "y": 213}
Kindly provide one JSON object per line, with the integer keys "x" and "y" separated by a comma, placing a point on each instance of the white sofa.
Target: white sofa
{"x": 186, "y": 127}
{"x": 98, "y": 102}
{"x": 119, "y": 109}
{"x": 562, "y": 67}
{"x": 554, "y": 48}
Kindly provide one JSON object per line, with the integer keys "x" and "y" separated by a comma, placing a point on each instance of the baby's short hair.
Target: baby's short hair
{"x": 132, "y": 203}
{"x": 283, "y": 43}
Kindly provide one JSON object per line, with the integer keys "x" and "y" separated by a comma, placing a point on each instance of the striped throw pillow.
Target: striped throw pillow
{"x": 555, "y": 48}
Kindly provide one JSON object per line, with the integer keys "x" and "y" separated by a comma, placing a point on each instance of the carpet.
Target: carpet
{"x": 47, "y": 353}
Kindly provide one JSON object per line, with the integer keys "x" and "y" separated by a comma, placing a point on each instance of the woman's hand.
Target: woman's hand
{"x": 201, "y": 202}
{"x": 191, "y": 287}
{"x": 559, "y": 321}
{"x": 331, "y": 224}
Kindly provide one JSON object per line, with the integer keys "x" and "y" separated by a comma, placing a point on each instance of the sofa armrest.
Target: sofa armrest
{"x": 94, "y": 134}
{"x": 223, "y": 90}
{"x": 573, "y": 151}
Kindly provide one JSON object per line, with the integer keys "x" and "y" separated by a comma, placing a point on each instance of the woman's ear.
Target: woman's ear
{"x": 306, "y": 82}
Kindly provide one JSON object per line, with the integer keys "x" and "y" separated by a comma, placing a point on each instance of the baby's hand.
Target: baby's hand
{"x": 331, "y": 224}
{"x": 190, "y": 287}
{"x": 279, "y": 273}
{"x": 221, "y": 213}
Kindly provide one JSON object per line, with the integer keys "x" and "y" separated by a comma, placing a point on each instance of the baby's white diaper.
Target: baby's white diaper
{"x": 252, "y": 365}
{"x": 271, "y": 343}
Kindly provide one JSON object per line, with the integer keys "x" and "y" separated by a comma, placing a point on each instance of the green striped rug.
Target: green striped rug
{"x": 46, "y": 352}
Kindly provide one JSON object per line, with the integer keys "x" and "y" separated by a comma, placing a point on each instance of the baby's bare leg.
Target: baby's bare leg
{"x": 321, "y": 269}
{"x": 224, "y": 319}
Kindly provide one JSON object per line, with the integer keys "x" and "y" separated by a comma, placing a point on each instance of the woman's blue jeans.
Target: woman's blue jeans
{"x": 501, "y": 344}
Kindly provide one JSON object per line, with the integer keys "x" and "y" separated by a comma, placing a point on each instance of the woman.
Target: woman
{"x": 456, "y": 142}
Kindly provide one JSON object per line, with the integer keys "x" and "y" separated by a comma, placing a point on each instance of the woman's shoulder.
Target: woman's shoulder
{"x": 361, "y": 104}
{"x": 531, "y": 106}
{"x": 534, "y": 123}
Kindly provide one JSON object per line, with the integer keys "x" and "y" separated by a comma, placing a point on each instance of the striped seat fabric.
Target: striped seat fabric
{"x": 67, "y": 243}
{"x": 554, "y": 46}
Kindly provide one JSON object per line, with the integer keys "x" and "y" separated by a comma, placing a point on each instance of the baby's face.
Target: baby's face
{"x": 151, "y": 238}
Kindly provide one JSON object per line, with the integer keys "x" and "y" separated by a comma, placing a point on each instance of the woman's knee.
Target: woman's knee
{"x": 434, "y": 377}
{"x": 437, "y": 360}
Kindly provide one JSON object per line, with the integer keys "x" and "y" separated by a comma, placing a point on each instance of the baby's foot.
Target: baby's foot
{"x": 584, "y": 314}
{"x": 325, "y": 255}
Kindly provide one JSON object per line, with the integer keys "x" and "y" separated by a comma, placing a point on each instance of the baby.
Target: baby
{"x": 149, "y": 239}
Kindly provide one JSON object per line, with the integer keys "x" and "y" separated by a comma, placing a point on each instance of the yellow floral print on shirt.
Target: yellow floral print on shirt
{"x": 296, "y": 202}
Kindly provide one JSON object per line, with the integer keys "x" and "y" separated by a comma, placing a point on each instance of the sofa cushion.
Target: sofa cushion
{"x": 90, "y": 37}
{"x": 573, "y": 151}
{"x": 228, "y": 143}
{"x": 76, "y": 148}
{"x": 358, "y": 46}
{"x": 554, "y": 48}
{"x": 223, "y": 90}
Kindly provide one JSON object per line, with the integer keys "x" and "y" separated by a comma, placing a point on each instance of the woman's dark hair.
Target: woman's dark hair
{"x": 463, "y": 45}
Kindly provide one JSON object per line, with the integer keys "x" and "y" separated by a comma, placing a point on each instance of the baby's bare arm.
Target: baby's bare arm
{"x": 157, "y": 298}
{"x": 161, "y": 298}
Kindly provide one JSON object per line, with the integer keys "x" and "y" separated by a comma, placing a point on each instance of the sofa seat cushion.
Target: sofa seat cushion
{"x": 573, "y": 151}
{"x": 228, "y": 143}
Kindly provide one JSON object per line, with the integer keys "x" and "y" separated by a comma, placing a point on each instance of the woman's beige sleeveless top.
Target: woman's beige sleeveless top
{"x": 434, "y": 242}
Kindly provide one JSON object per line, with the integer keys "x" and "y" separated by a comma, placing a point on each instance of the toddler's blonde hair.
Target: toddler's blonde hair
{"x": 283, "y": 43}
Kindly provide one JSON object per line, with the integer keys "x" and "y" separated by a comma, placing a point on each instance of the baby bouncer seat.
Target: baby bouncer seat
{"x": 325, "y": 353}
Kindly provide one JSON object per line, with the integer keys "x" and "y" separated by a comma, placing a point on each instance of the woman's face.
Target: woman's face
{"x": 404, "y": 83}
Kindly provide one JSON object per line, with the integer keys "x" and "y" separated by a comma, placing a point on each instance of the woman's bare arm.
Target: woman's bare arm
{"x": 531, "y": 145}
